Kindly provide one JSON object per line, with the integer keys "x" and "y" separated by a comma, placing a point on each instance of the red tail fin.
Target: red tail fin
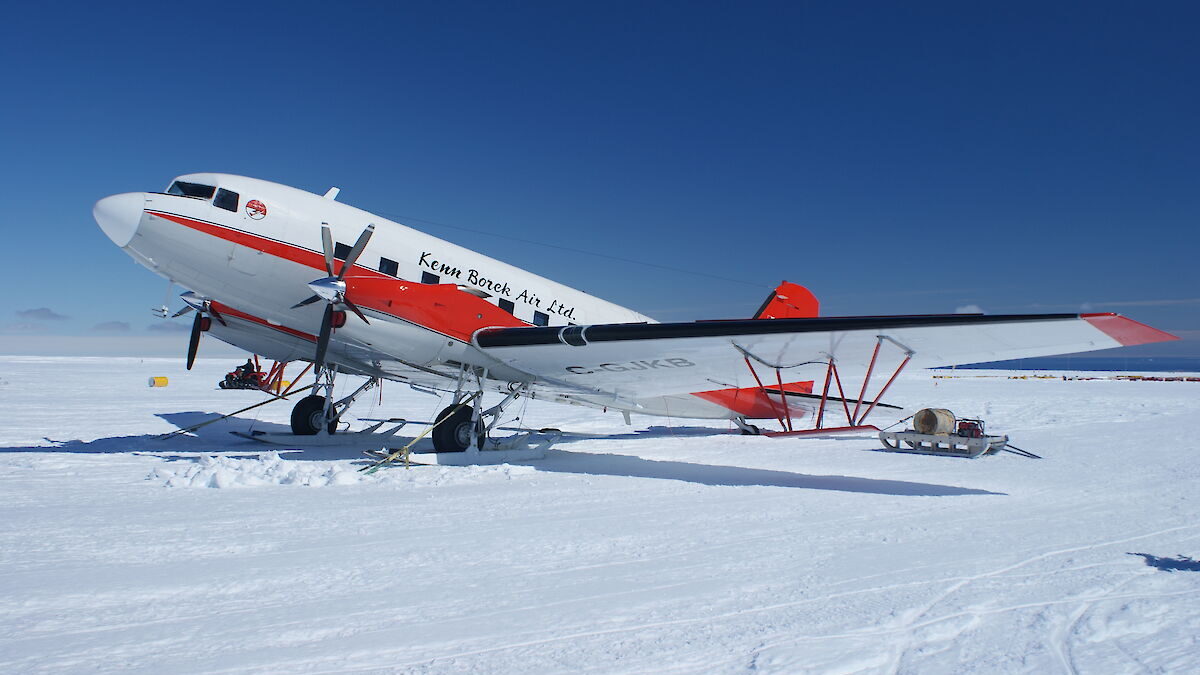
{"x": 789, "y": 301}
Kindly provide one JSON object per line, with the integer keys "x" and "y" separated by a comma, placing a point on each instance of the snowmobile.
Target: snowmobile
{"x": 243, "y": 378}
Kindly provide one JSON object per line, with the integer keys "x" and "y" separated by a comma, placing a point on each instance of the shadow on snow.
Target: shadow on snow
{"x": 1179, "y": 563}
{"x": 560, "y": 461}
{"x": 215, "y": 438}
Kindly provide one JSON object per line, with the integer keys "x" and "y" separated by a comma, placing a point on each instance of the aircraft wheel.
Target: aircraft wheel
{"x": 454, "y": 434}
{"x": 308, "y": 415}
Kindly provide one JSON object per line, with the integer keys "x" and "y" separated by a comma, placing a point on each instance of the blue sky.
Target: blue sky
{"x": 893, "y": 157}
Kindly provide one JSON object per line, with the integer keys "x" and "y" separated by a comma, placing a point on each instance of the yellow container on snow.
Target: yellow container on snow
{"x": 158, "y": 382}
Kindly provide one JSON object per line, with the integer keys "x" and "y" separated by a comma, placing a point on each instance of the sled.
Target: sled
{"x": 947, "y": 445}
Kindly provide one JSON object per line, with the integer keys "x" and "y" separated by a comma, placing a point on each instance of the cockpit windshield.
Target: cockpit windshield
{"x": 194, "y": 190}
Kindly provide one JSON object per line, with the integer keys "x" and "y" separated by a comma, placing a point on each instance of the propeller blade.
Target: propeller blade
{"x": 357, "y": 250}
{"x": 308, "y": 301}
{"x": 323, "y": 337}
{"x": 353, "y": 307}
{"x": 194, "y": 341}
{"x": 215, "y": 314}
{"x": 185, "y": 310}
{"x": 327, "y": 247}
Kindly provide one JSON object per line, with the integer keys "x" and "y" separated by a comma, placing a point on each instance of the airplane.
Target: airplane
{"x": 296, "y": 276}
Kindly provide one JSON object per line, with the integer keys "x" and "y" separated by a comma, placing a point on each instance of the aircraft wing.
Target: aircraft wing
{"x": 641, "y": 360}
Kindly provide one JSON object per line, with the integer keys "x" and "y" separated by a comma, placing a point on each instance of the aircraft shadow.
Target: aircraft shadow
{"x": 212, "y": 438}
{"x": 648, "y": 432}
{"x": 1179, "y": 563}
{"x": 215, "y": 438}
{"x": 683, "y": 432}
{"x": 561, "y": 461}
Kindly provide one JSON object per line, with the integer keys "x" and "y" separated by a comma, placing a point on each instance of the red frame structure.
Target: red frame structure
{"x": 272, "y": 382}
{"x": 854, "y": 421}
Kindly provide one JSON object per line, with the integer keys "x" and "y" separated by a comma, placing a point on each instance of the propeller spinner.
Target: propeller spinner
{"x": 332, "y": 288}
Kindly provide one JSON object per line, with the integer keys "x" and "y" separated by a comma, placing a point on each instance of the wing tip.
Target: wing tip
{"x": 1125, "y": 330}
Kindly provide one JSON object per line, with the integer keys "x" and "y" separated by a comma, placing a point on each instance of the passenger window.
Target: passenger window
{"x": 506, "y": 305}
{"x": 427, "y": 278}
{"x": 389, "y": 267}
{"x": 194, "y": 190}
{"x": 541, "y": 319}
{"x": 226, "y": 200}
{"x": 340, "y": 250}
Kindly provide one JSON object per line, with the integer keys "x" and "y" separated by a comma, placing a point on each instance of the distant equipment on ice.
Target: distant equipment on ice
{"x": 936, "y": 431}
{"x": 158, "y": 382}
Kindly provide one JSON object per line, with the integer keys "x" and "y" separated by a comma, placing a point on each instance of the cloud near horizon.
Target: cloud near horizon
{"x": 169, "y": 327}
{"x": 968, "y": 309}
{"x": 41, "y": 314}
{"x": 112, "y": 327}
{"x": 22, "y": 327}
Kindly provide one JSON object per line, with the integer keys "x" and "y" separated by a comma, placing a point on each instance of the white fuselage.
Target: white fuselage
{"x": 253, "y": 280}
{"x": 256, "y": 245}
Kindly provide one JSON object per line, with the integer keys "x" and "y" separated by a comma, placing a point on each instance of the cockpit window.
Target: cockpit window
{"x": 226, "y": 200}
{"x": 194, "y": 190}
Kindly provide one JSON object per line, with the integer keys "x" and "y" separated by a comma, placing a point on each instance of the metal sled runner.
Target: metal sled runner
{"x": 949, "y": 445}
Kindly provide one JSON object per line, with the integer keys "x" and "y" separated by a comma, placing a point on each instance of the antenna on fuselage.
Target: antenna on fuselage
{"x": 332, "y": 193}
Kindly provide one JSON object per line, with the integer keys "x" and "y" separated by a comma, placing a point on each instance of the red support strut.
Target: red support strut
{"x": 824, "y": 394}
{"x": 866, "y": 379}
{"x": 832, "y": 376}
{"x": 892, "y": 379}
{"x": 764, "y": 391}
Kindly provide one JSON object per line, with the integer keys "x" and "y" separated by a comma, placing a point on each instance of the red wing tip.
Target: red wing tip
{"x": 1126, "y": 331}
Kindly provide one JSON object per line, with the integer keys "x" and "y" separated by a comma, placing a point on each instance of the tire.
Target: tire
{"x": 454, "y": 434}
{"x": 306, "y": 416}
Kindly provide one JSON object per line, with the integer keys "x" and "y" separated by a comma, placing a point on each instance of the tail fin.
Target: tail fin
{"x": 789, "y": 301}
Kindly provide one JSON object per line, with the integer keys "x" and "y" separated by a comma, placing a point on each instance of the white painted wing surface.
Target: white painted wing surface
{"x": 641, "y": 360}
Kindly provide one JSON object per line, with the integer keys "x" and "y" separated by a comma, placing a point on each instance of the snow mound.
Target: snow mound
{"x": 216, "y": 471}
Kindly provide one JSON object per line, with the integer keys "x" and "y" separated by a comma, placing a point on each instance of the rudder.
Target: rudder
{"x": 789, "y": 301}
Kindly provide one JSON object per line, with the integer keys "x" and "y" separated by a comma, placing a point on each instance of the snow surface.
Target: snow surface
{"x": 669, "y": 547}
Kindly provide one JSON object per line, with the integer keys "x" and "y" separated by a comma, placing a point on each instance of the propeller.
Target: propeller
{"x": 194, "y": 340}
{"x": 332, "y": 288}
{"x": 201, "y": 306}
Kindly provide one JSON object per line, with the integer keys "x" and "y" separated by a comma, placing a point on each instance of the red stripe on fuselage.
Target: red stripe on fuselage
{"x": 278, "y": 249}
{"x": 226, "y": 310}
{"x": 441, "y": 309}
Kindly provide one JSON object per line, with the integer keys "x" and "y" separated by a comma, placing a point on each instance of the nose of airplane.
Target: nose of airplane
{"x": 120, "y": 215}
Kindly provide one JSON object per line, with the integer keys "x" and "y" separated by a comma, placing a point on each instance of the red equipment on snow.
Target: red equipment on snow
{"x": 246, "y": 376}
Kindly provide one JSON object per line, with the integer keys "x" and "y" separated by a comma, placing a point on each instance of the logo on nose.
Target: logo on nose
{"x": 256, "y": 209}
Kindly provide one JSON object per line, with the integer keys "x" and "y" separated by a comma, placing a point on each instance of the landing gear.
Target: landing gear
{"x": 453, "y": 433}
{"x": 466, "y": 423}
{"x": 319, "y": 411}
{"x": 745, "y": 427}
{"x": 309, "y": 416}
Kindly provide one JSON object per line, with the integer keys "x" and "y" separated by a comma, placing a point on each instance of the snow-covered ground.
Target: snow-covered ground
{"x": 669, "y": 547}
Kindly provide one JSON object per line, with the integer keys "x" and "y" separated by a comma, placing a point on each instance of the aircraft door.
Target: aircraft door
{"x": 246, "y": 215}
